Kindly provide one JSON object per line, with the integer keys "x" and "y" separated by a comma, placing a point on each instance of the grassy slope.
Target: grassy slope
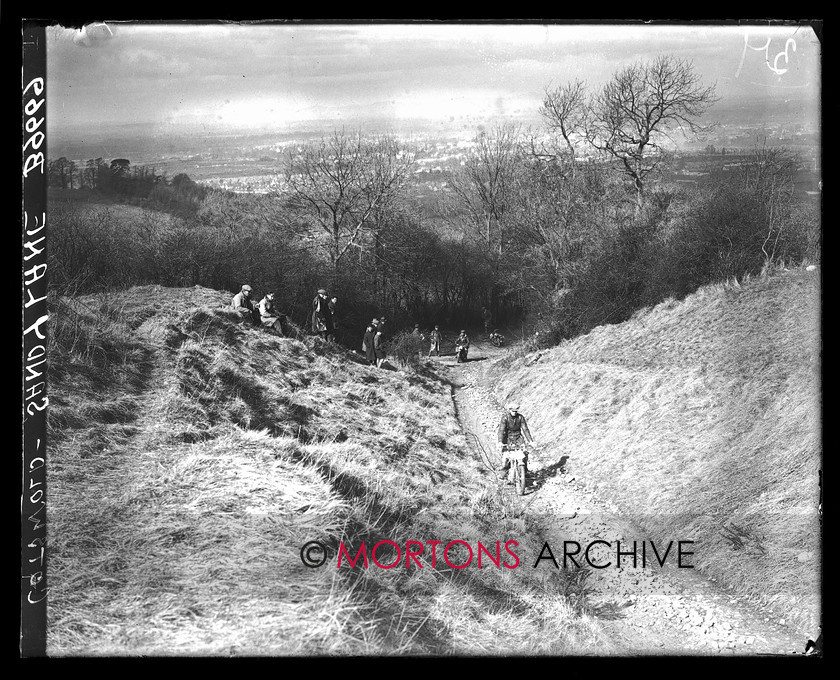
{"x": 701, "y": 420}
{"x": 191, "y": 458}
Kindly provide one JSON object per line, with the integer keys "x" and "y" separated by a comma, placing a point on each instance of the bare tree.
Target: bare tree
{"x": 481, "y": 195}
{"x": 768, "y": 174}
{"x": 565, "y": 111}
{"x": 338, "y": 184}
{"x": 559, "y": 219}
{"x": 483, "y": 186}
{"x": 72, "y": 170}
{"x": 638, "y": 110}
{"x": 60, "y": 173}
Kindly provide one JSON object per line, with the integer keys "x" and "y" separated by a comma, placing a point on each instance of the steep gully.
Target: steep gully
{"x": 645, "y": 611}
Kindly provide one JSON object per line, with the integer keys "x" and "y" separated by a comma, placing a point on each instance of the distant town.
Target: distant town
{"x": 254, "y": 162}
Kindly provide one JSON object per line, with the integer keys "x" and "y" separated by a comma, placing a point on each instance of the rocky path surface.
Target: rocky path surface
{"x": 645, "y": 610}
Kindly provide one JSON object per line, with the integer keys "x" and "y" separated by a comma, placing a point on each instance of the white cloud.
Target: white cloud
{"x": 270, "y": 72}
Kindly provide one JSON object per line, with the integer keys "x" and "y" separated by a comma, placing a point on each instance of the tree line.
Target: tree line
{"x": 555, "y": 230}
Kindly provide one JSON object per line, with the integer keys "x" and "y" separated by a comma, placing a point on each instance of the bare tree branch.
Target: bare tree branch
{"x": 338, "y": 184}
{"x": 640, "y": 106}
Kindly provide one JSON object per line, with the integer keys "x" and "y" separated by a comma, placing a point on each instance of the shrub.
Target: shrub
{"x": 722, "y": 232}
{"x": 404, "y": 349}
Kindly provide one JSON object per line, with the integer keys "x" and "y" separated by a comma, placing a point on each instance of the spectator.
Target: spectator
{"x": 270, "y": 317}
{"x": 487, "y": 317}
{"x": 368, "y": 344}
{"x": 332, "y": 304}
{"x": 321, "y": 315}
{"x": 420, "y": 340}
{"x": 243, "y": 306}
{"x": 379, "y": 347}
{"x": 435, "y": 338}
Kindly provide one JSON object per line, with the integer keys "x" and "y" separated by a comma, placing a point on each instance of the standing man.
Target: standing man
{"x": 513, "y": 434}
{"x": 379, "y": 347}
{"x": 321, "y": 315}
{"x": 420, "y": 340}
{"x": 270, "y": 317}
{"x": 243, "y": 305}
{"x": 367, "y": 342}
{"x": 487, "y": 317}
{"x": 435, "y": 338}
{"x": 332, "y": 304}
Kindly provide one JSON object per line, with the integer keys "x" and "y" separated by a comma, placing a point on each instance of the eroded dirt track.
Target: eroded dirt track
{"x": 650, "y": 609}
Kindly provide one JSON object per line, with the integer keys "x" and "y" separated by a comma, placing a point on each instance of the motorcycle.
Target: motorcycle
{"x": 460, "y": 353}
{"x": 516, "y": 471}
{"x": 497, "y": 339}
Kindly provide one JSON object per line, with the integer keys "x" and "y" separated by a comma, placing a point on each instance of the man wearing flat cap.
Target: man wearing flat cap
{"x": 513, "y": 434}
{"x": 244, "y": 306}
{"x": 322, "y": 323}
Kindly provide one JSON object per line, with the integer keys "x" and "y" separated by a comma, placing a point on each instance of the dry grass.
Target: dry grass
{"x": 701, "y": 420}
{"x": 191, "y": 459}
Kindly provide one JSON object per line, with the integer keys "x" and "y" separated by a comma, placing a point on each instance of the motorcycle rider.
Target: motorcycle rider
{"x": 462, "y": 341}
{"x": 513, "y": 434}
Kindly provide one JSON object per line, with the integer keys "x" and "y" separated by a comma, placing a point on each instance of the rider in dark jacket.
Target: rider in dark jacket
{"x": 462, "y": 340}
{"x": 513, "y": 433}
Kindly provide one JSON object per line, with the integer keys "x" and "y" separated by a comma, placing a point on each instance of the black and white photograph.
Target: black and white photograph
{"x": 423, "y": 338}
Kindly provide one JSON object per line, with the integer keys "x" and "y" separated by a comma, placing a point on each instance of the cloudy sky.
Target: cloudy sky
{"x": 174, "y": 75}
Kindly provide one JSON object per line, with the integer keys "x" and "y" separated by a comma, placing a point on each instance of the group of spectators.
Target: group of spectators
{"x": 263, "y": 314}
{"x": 435, "y": 338}
{"x": 323, "y": 315}
{"x": 323, "y": 320}
{"x": 266, "y": 314}
{"x": 373, "y": 342}
{"x": 513, "y": 430}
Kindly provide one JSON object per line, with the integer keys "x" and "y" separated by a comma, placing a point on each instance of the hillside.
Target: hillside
{"x": 191, "y": 459}
{"x": 700, "y": 420}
